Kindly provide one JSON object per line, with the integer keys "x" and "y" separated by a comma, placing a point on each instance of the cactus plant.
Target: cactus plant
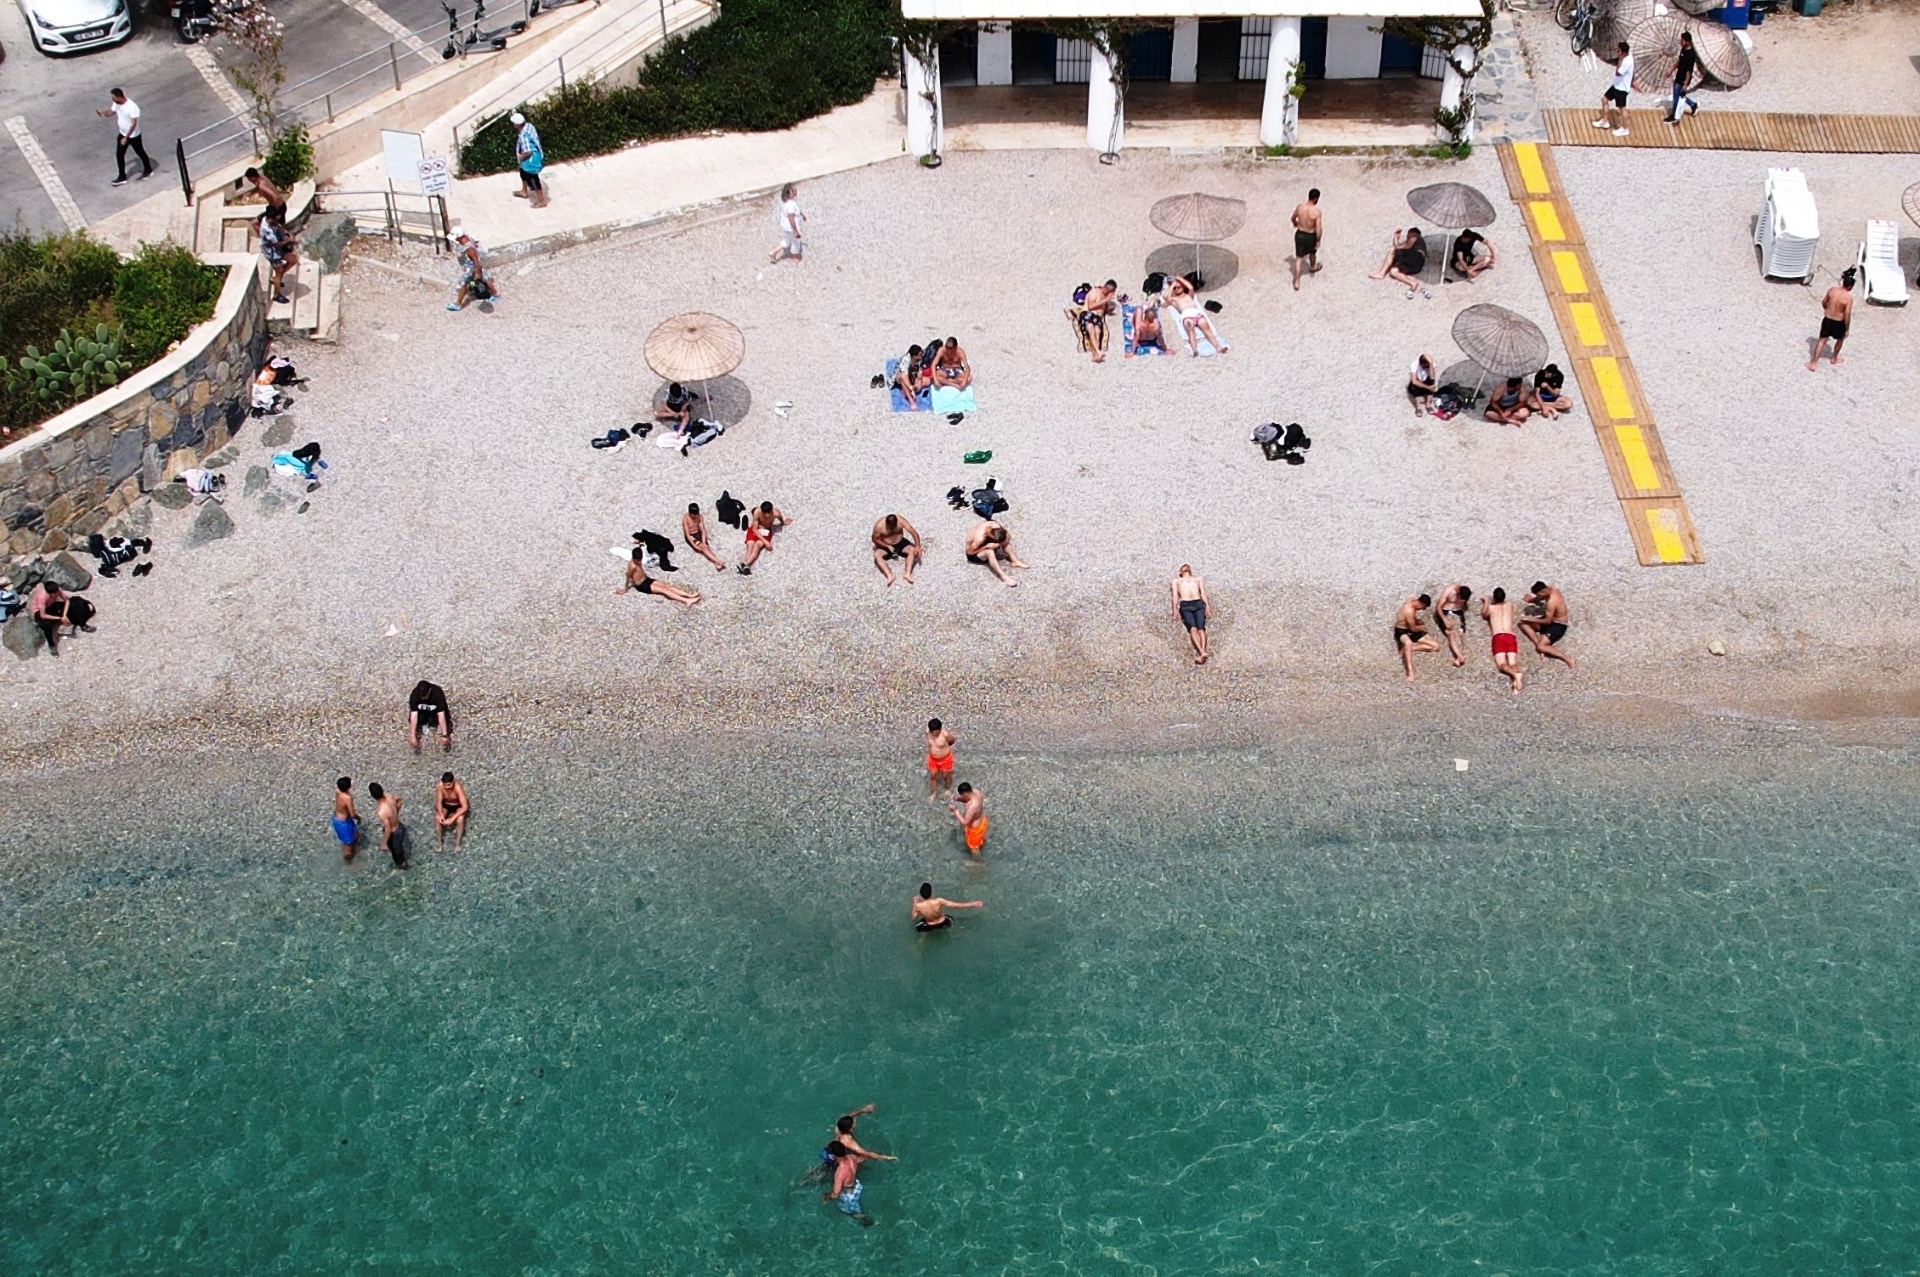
{"x": 73, "y": 369}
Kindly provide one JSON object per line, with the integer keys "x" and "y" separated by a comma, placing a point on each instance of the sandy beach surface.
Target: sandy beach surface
{"x": 463, "y": 530}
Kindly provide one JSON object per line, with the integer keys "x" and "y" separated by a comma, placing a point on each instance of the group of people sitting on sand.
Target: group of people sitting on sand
{"x": 1470, "y": 256}
{"x": 1098, "y": 308}
{"x": 1541, "y": 616}
{"x": 1509, "y": 405}
{"x": 896, "y": 540}
{"x": 651, "y": 550}
{"x": 923, "y": 368}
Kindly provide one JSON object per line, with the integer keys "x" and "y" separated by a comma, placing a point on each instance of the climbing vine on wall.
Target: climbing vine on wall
{"x": 1449, "y": 35}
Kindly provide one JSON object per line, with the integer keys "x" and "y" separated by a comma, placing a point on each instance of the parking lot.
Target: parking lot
{"x": 54, "y": 99}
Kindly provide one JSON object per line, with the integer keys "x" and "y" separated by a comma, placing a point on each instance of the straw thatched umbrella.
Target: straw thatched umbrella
{"x": 1499, "y": 342}
{"x": 695, "y": 347}
{"x": 1656, "y": 51}
{"x": 1616, "y": 21}
{"x": 1910, "y": 203}
{"x": 1721, "y": 56}
{"x": 1451, "y": 204}
{"x": 1201, "y": 219}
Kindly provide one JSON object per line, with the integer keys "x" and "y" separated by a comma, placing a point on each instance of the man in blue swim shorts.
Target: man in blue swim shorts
{"x": 346, "y": 820}
{"x": 846, "y": 1187}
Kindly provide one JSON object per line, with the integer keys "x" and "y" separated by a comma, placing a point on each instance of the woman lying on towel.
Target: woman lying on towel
{"x": 1186, "y": 304}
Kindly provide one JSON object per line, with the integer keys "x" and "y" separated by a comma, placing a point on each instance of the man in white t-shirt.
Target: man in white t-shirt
{"x": 126, "y": 118}
{"x": 1613, "y": 107}
{"x": 792, "y": 223}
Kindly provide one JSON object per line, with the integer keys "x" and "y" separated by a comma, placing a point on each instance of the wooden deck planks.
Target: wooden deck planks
{"x": 1742, "y": 131}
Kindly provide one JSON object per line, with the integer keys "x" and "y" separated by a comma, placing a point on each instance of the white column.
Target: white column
{"x": 1452, "y": 86}
{"x": 996, "y": 54}
{"x": 1186, "y": 50}
{"x": 1105, "y": 116}
{"x": 923, "y": 116}
{"x": 1279, "y": 109}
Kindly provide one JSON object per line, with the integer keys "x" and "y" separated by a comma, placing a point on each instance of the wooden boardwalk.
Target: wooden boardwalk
{"x": 1742, "y": 131}
{"x": 1643, "y": 481}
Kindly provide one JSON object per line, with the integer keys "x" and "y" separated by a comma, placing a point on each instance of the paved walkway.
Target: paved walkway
{"x": 1744, "y": 131}
{"x": 594, "y": 198}
{"x": 1505, "y": 106}
{"x": 1657, "y": 516}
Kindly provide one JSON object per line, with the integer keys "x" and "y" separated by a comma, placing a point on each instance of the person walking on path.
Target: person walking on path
{"x": 126, "y": 119}
{"x": 1686, "y": 78}
{"x": 1836, "y": 317}
{"x": 1307, "y": 225}
{"x": 527, "y": 150}
{"x": 1497, "y": 612}
{"x": 346, "y": 818}
{"x": 939, "y": 758}
{"x": 969, "y": 808}
{"x": 793, "y": 224}
{"x": 474, "y": 284}
{"x": 1613, "y": 105}
{"x": 1190, "y": 609}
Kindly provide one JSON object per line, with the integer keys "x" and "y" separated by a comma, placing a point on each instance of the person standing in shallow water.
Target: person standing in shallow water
{"x": 450, "y": 810}
{"x": 969, "y": 808}
{"x": 346, "y": 820}
{"x": 393, "y": 834}
{"x": 928, "y": 912}
{"x": 939, "y": 758}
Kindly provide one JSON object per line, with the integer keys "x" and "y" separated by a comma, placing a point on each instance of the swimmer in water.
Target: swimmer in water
{"x": 969, "y": 808}
{"x": 346, "y": 820}
{"x": 929, "y": 912}
{"x": 843, "y": 1132}
{"x": 393, "y": 834}
{"x": 846, "y": 1188}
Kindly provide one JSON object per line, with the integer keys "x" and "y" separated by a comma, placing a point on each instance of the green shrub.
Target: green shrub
{"x": 760, "y": 65}
{"x": 53, "y": 286}
{"x": 289, "y": 159}
{"x": 160, "y": 294}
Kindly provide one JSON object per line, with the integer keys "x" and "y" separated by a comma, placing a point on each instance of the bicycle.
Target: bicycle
{"x": 1578, "y": 18}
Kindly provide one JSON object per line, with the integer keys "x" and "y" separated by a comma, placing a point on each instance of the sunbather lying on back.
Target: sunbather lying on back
{"x": 909, "y": 376}
{"x": 950, "y": 366}
{"x": 1193, "y": 319}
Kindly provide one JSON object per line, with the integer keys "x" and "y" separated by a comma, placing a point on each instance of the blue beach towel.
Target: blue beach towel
{"x": 898, "y": 401}
{"x": 947, "y": 399}
{"x": 1126, "y": 334}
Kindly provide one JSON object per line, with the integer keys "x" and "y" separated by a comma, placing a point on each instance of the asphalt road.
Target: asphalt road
{"x": 57, "y": 97}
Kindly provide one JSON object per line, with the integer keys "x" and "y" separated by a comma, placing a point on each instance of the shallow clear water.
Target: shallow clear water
{"x": 1323, "y": 1011}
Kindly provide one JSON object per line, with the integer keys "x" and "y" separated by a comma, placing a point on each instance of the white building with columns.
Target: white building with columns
{"x": 1188, "y": 41}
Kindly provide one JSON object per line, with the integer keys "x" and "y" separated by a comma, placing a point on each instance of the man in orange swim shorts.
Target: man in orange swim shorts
{"x": 939, "y": 759}
{"x": 970, "y": 812}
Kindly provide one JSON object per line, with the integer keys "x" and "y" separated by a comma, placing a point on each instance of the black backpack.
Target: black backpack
{"x": 988, "y": 501}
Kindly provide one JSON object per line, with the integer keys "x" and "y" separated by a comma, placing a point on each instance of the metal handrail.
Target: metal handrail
{"x": 396, "y": 217}
{"x": 554, "y": 75}
{"x": 387, "y": 61}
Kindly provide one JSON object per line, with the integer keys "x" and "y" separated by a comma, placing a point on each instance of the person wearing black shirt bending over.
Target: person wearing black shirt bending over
{"x": 426, "y": 711}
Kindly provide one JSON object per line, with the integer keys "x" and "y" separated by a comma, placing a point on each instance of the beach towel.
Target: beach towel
{"x": 947, "y": 399}
{"x": 1126, "y": 334}
{"x": 896, "y": 400}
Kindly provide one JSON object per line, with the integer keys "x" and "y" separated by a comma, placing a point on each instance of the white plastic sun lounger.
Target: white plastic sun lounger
{"x": 1879, "y": 263}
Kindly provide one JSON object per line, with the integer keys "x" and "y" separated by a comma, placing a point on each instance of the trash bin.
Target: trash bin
{"x": 1807, "y": 8}
{"x": 1735, "y": 15}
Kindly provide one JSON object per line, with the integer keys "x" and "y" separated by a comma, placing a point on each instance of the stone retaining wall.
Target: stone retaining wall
{"x": 90, "y": 463}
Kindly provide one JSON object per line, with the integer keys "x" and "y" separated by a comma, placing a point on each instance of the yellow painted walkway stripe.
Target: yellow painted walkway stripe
{"x": 1613, "y": 387}
{"x": 1572, "y": 279}
{"x": 1586, "y": 324}
{"x": 1532, "y": 172}
{"x": 1546, "y": 220}
{"x": 1664, "y": 524}
{"x": 1633, "y": 450}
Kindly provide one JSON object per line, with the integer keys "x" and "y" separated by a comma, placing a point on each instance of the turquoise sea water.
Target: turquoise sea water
{"x": 1643, "y": 1011}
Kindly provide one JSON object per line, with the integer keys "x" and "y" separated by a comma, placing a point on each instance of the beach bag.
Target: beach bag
{"x": 479, "y": 288}
{"x": 988, "y": 501}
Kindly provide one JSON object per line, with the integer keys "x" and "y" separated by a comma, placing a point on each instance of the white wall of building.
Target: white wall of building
{"x": 996, "y": 54}
{"x": 1186, "y": 51}
{"x": 1353, "y": 48}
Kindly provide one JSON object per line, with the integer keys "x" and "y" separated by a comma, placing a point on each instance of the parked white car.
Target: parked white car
{"x": 72, "y": 26}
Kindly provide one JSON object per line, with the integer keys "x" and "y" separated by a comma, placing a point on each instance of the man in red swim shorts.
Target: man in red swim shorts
{"x": 939, "y": 759}
{"x": 1498, "y": 614}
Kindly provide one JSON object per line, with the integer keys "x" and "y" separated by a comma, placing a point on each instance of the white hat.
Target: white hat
{"x": 518, "y": 118}
{"x": 458, "y": 232}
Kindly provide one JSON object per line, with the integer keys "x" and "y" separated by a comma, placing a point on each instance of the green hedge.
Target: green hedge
{"x": 51, "y": 282}
{"x": 760, "y": 65}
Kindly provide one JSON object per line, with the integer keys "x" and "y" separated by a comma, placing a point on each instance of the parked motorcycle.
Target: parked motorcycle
{"x": 192, "y": 19}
